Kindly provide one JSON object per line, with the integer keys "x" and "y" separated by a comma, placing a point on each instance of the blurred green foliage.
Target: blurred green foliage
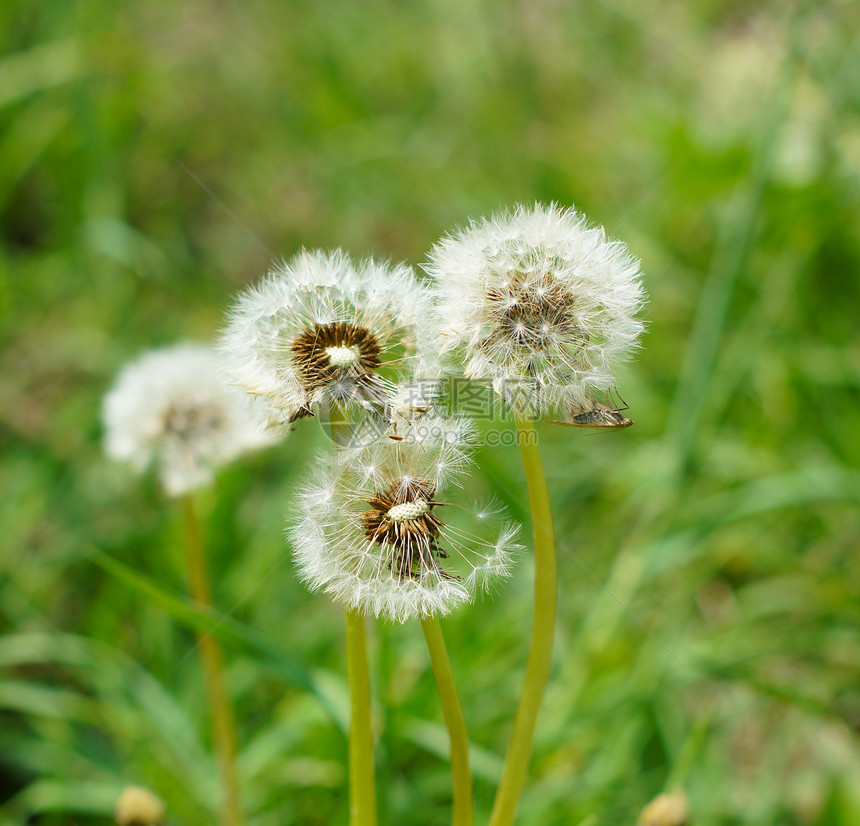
{"x": 708, "y": 633}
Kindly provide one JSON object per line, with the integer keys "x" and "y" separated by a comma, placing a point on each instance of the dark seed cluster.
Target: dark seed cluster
{"x": 314, "y": 363}
{"x": 414, "y": 542}
{"x": 530, "y": 311}
{"x": 186, "y": 423}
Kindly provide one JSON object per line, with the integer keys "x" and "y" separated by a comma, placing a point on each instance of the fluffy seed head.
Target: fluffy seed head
{"x": 538, "y": 303}
{"x": 321, "y": 330}
{"x": 374, "y": 531}
{"x": 171, "y": 408}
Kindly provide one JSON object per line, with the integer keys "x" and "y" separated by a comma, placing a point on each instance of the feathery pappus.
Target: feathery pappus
{"x": 172, "y": 408}
{"x": 538, "y": 303}
{"x": 380, "y": 531}
{"x": 320, "y": 330}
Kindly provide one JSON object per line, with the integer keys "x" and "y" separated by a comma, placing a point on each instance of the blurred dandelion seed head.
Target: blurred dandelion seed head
{"x": 539, "y": 304}
{"x": 171, "y": 408}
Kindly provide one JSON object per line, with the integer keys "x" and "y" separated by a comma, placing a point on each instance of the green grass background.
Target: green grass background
{"x": 710, "y": 586}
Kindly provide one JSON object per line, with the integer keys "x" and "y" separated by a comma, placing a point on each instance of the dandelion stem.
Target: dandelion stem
{"x": 362, "y": 787}
{"x": 453, "y": 713}
{"x": 362, "y": 783}
{"x": 212, "y": 660}
{"x": 543, "y": 630}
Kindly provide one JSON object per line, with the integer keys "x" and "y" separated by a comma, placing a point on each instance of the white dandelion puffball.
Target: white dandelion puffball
{"x": 172, "y": 409}
{"x": 538, "y": 303}
{"x": 377, "y": 533}
{"x": 321, "y": 330}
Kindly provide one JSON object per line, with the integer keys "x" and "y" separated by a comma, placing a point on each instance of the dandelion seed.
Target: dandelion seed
{"x": 539, "y": 304}
{"x": 321, "y": 330}
{"x": 375, "y": 532}
{"x": 172, "y": 409}
{"x": 411, "y": 402}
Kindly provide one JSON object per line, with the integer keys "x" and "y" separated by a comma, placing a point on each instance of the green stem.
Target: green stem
{"x": 543, "y": 629}
{"x": 362, "y": 788}
{"x": 212, "y": 660}
{"x": 453, "y": 713}
{"x": 362, "y": 784}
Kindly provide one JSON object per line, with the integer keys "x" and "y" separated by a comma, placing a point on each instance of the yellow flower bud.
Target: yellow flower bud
{"x": 138, "y": 807}
{"x": 665, "y": 810}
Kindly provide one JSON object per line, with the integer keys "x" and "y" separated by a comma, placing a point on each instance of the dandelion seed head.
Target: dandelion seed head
{"x": 321, "y": 329}
{"x": 171, "y": 409}
{"x": 386, "y": 544}
{"x": 538, "y": 303}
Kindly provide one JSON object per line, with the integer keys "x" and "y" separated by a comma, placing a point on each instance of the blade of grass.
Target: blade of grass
{"x": 77, "y": 796}
{"x": 128, "y": 699}
{"x": 41, "y": 67}
{"x": 228, "y": 629}
{"x": 729, "y": 258}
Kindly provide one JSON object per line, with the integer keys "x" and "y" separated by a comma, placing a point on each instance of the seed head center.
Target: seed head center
{"x": 191, "y": 422}
{"x": 409, "y": 511}
{"x": 341, "y": 356}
